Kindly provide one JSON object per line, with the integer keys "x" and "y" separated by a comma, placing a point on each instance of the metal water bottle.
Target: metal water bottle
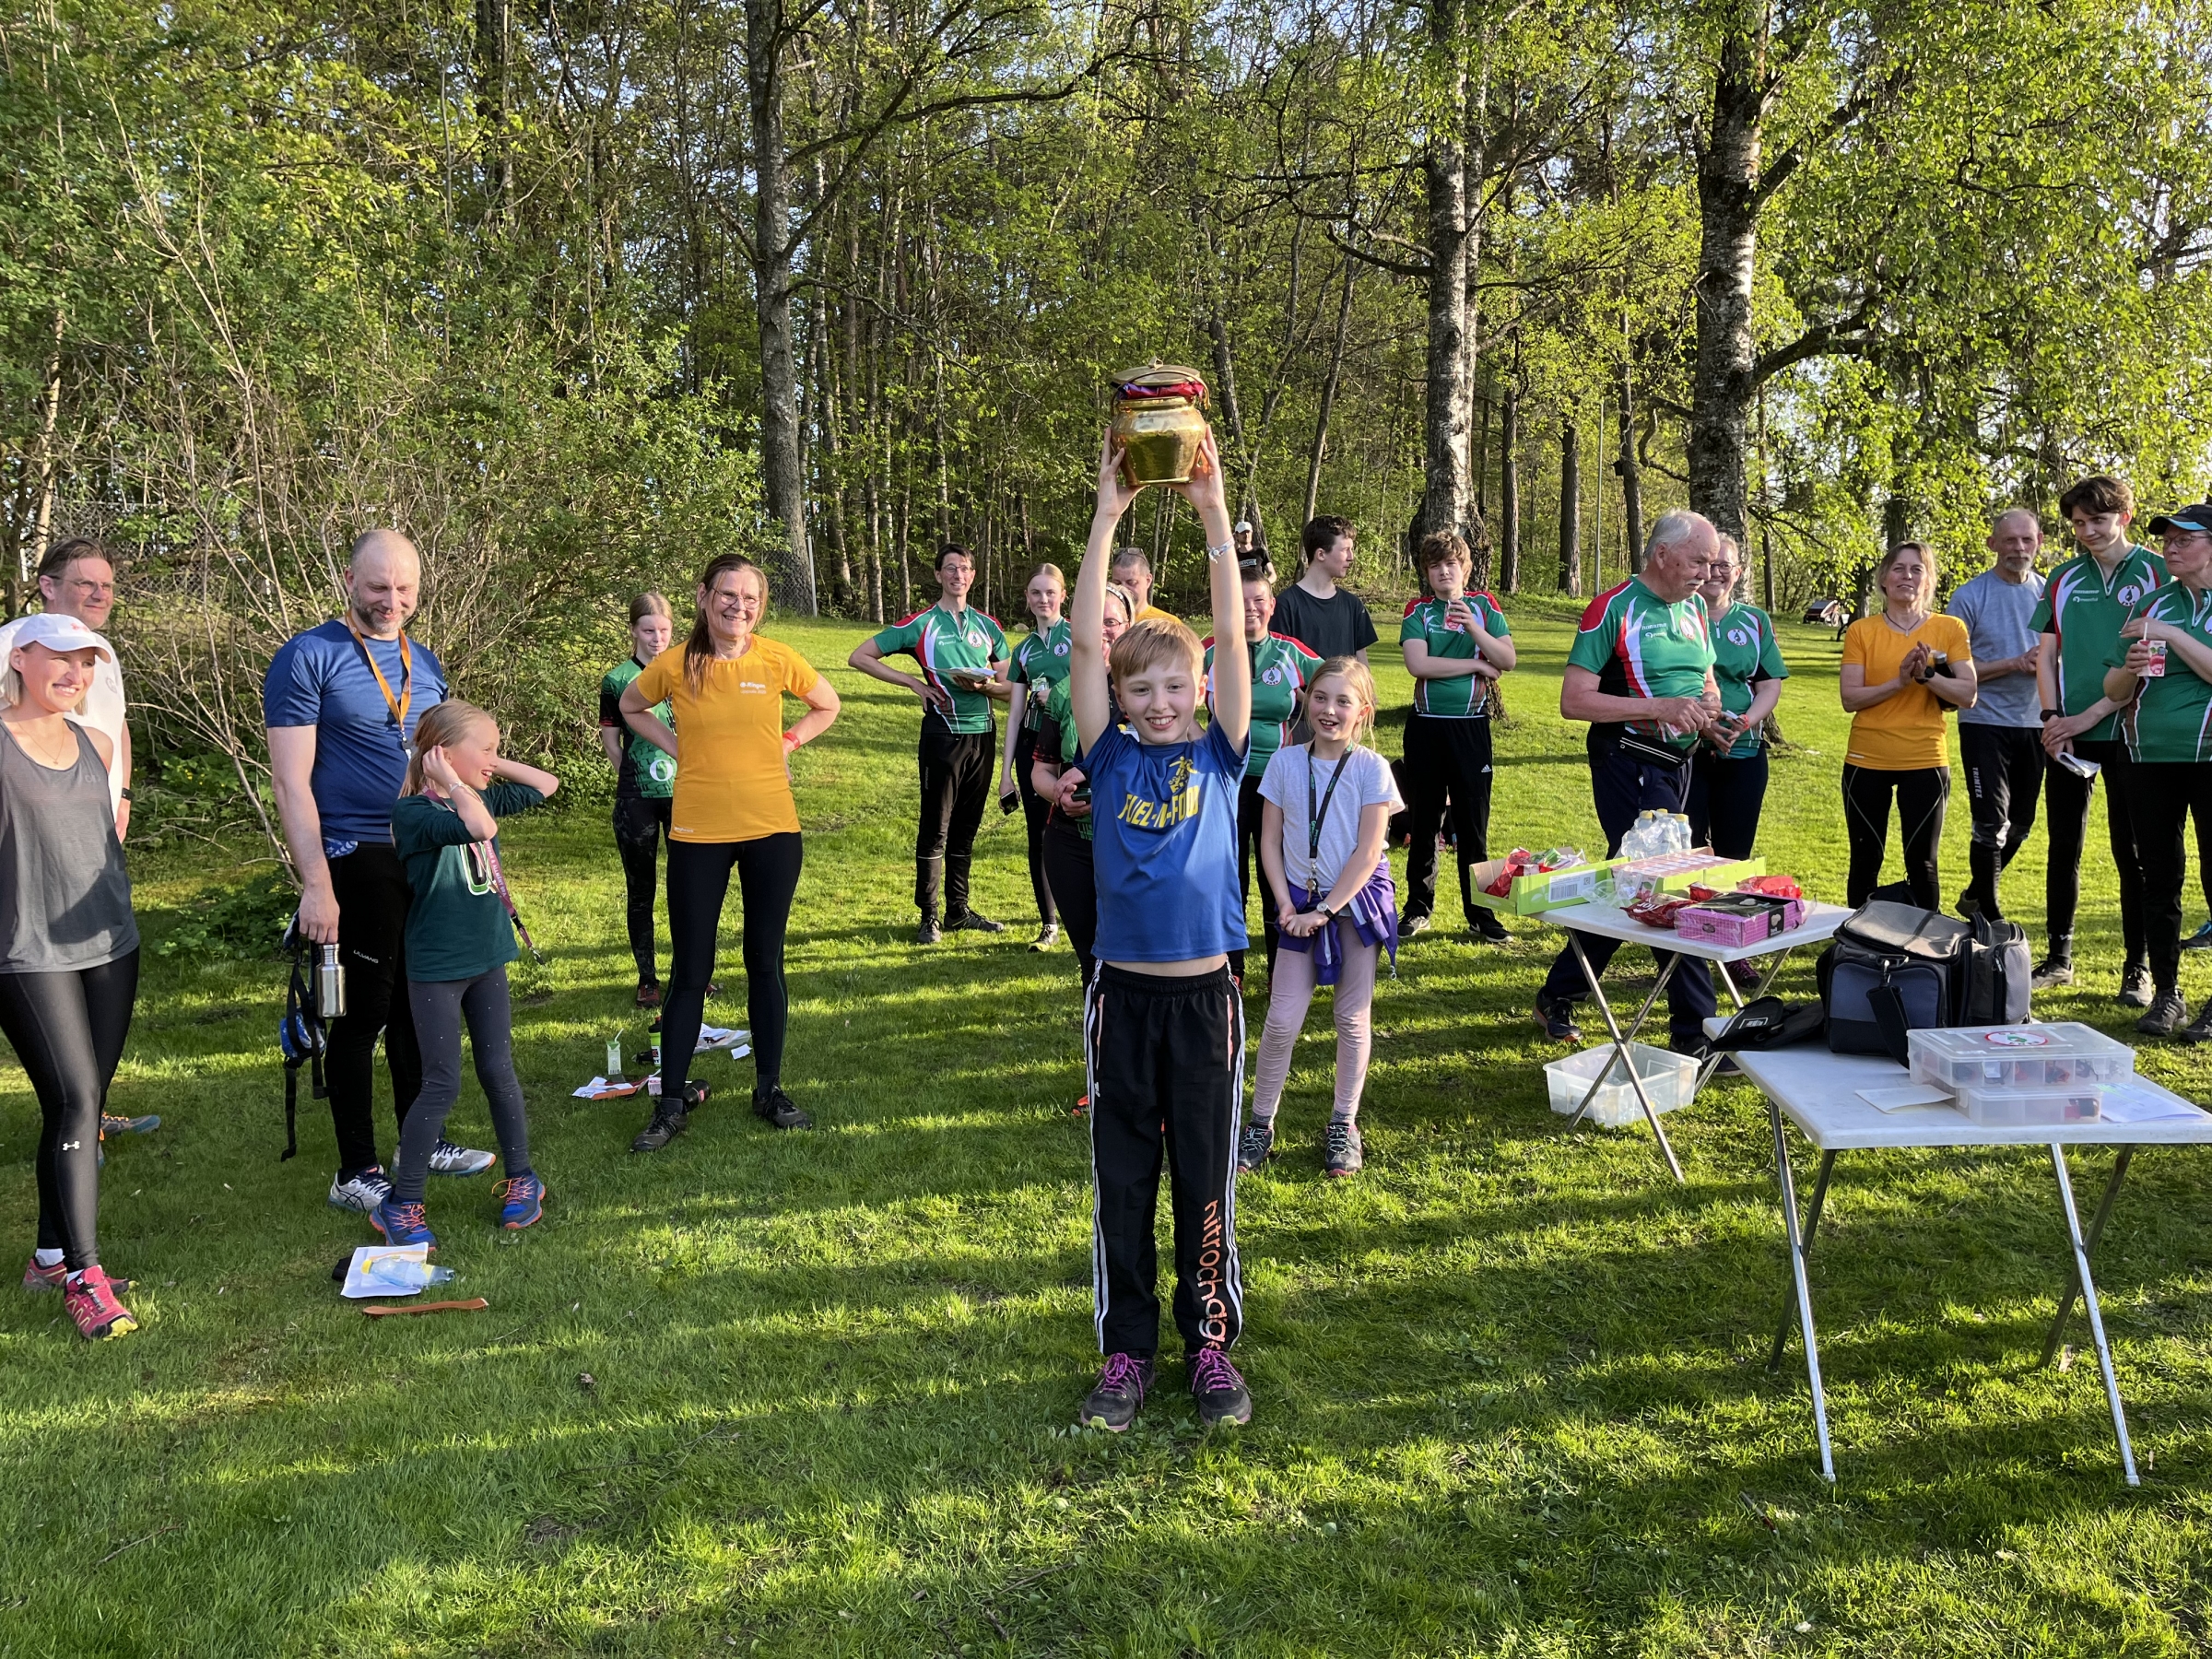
{"x": 330, "y": 984}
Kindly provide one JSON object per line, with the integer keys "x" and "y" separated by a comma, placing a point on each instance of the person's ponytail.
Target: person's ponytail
{"x": 699, "y": 649}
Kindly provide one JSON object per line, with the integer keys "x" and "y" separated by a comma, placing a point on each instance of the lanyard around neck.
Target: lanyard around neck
{"x": 406, "y": 699}
{"x": 1315, "y": 815}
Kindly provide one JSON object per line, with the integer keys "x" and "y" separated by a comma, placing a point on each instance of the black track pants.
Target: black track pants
{"x": 1249, "y": 808}
{"x": 1166, "y": 1063}
{"x": 1445, "y": 759}
{"x": 956, "y": 787}
{"x": 1726, "y": 799}
{"x": 1035, "y": 810}
{"x": 1067, "y": 861}
{"x": 2004, "y": 768}
{"x": 2067, "y": 811}
{"x": 640, "y": 823}
{"x": 371, "y": 888}
{"x": 1920, "y": 794}
{"x": 699, "y": 880}
{"x": 67, "y": 1030}
{"x": 2164, "y": 796}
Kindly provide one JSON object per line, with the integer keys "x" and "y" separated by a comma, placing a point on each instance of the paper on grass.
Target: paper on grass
{"x": 2125, "y": 1105}
{"x": 363, "y": 1279}
{"x": 1904, "y": 1095}
{"x": 599, "y": 1088}
{"x": 714, "y": 1036}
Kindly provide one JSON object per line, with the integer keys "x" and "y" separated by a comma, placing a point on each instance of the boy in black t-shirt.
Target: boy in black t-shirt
{"x": 1314, "y": 611}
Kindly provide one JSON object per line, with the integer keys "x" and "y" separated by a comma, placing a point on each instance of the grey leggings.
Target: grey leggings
{"x": 440, "y": 1006}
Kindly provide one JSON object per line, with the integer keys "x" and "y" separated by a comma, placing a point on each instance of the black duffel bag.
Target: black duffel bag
{"x": 1896, "y": 967}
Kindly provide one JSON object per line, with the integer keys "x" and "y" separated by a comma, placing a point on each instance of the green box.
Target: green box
{"x": 1541, "y": 890}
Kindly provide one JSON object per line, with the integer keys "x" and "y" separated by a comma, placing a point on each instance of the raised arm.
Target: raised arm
{"x": 1232, "y": 668}
{"x": 291, "y": 771}
{"x": 1088, "y": 689}
{"x": 510, "y": 770}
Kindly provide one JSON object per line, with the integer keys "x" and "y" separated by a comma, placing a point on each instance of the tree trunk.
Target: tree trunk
{"x": 782, "y": 474}
{"x": 1447, "y": 414}
{"x": 490, "y": 71}
{"x": 1508, "y": 488}
{"x": 1631, "y": 478}
{"x": 1570, "y": 510}
{"x": 45, "y": 472}
{"x": 1232, "y": 416}
{"x": 1329, "y": 384}
{"x": 1721, "y": 387}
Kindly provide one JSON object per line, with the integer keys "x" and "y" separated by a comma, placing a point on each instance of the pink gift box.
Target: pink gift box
{"x": 1732, "y": 927}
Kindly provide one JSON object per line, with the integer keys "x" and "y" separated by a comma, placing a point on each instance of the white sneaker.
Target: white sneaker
{"x": 450, "y": 1159}
{"x": 363, "y": 1193}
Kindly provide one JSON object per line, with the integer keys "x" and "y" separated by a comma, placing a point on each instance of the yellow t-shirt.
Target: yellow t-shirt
{"x": 732, "y": 785}
{"x": 1152, "y": 611}
{"x": 1904, "y": 733}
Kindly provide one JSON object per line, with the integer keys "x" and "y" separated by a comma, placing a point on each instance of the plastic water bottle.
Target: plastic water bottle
{"x": 406, "y": 1275}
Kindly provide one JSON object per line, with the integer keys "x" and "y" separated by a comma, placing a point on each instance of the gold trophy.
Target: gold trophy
{"x": 1159, "y": 420}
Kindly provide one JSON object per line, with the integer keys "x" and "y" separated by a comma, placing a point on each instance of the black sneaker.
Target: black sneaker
{"x": 1557, "y": 1016}
{"x": 1410, "y": 925}
{"x": 2135, "y": 989}
{"x": 1342, "y": 1152}
{"x": 1490, "y": 930}
{"x": 1121, "y": 1390}
{"x": 2054, "y": 969}
{"x": 2200, "y": 1028}
{"x": 929, "y": 932}
{"x": 1256, "y": 1145}
{"x": 972, "y": 922}
{"x": 776, "y": 1107}
{"x": 1220, "y": 1391}
{"x": 668, "y": 1122}
{"x": 2167, "y": 1013}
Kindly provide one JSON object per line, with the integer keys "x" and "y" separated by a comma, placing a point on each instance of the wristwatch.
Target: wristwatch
{"x": 2051, "y": 715}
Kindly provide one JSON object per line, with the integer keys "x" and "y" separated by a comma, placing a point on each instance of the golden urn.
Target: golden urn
{"x": 1159, "y": 420}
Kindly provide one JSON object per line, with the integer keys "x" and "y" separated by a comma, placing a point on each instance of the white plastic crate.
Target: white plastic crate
{"x": 1670, "y": 1079}
{"x": 2008, "y": 1108}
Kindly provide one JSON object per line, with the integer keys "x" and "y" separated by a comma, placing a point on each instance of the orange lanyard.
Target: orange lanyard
{"x": 406, "y": 699}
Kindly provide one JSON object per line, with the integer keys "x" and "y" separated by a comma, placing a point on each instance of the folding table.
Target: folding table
{"x": 1818, "y": 1091}
{"x": 1820, "y": 925}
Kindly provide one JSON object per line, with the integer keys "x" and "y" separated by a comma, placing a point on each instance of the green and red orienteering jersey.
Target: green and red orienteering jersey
{"x": 1281, "y": 670}
{"x": 1639, "y": 645}
{"x": 1465, "y": 697}
{"x": 2172, "y": 718}
{"x": 1745, "y": 652}
{"x": 2084, "y": 608}
{"x": 942, "y": 643}
{"x": 1039, "y": 660}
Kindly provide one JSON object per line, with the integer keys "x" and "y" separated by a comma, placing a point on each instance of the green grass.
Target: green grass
{"x": 1509, "y": 1384}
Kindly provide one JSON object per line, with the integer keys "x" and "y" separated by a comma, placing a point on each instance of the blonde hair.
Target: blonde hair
{"x": 1930, "y": 572}
{"x": 1049, "y": 569}
{"x": 448, "y": 721}
{"x": 1360, "y": 682}
{"x": 1127, "y": 601}
{"x": 1153, "y": 642}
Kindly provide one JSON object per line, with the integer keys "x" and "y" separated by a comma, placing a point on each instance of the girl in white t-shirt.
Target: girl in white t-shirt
{"x": 1324, "y": 820}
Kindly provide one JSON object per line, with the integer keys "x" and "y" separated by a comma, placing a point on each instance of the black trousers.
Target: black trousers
{"x": 699, "y": 880}
{"x": 1249, "y": 808}
{"x": 640, "y": 823}
{"x": 1445, "y": 760}
{"x": 1920, "y": 793}
{"x": 67, "y": 1030}
{"x": 372, "y": 893}
{"x": 956, "y": 787}
{"x": 2004, "y": 766}
{"x": 1622, "y": 785}
{"x": 1075, "y": 886}
{"x": 1035, "y": 810}
{"x": 2163, "y": 798}
{"x": 1166, "y": 1064}
{"x": 2067, "y": 811}
{"x": 1726, "y": 799}
{"x": 441, "y": 1007}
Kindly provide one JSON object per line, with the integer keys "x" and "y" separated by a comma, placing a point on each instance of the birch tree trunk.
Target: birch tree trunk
{"x": 1508, "y": 488}
{"x": 1723, "y": 379}
{"x": 1570, "y": 510}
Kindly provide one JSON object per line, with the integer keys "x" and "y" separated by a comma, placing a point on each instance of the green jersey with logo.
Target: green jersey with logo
{"x": 645, "y": 770}
{"x": 1039, "y": 660}
{"x": 2172, "y": 719}
{"x": 1467, "y": 696}
{"x": 1639, "y": 645}
{"x": 1281, "y": 670}
{"x": 1745, "y": 652}
{"x": 2084, "y": 608}
{"x": 943, "y": 644}
{"x": 1058, "y": 735}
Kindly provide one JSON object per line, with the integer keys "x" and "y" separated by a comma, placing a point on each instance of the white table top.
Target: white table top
{"x": 1817, "y": 1091}
{"x": 1819, "y": 926}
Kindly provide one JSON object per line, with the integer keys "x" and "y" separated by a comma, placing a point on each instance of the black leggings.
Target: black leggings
{"x": 67, "y": 1029}
{"x": 1922, "y": 795}
{"x": 699, "y": 880}
{"x": 2162, "y": 797}
{"x": 440, "y": 1007}
{"x": 639, "y": 822}
{"x": 1725, "y": 798}
{"x": 2066, "y": 799}
{"x": 1249, "y": 808}
{"x": 1035, "y": 810}
{"x": 1074, "y": 884}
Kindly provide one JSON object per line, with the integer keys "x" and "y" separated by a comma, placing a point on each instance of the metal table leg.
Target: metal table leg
{"x": 1620, "y": 1048}
{"x": 2088, "y": 1302}
{"x": 1805, "y": 1292}
{"x": 1621, "y": 1035}
{"x": 2104, "y": 1213}
{"x": 1812, "y": 1227}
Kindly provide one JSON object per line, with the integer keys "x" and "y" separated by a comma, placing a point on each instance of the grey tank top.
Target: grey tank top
{"x": 64, "y": 895}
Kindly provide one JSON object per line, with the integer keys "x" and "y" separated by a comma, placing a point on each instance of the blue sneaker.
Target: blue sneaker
{"x": 523, "y": 1200}
{"x": 2199, "y": 940}
{"x": 402, "y": 1223}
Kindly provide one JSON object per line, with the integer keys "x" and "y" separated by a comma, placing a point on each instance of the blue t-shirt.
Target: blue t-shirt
{"x": 319, "y": 679}
{"x": 1164, "y": 842}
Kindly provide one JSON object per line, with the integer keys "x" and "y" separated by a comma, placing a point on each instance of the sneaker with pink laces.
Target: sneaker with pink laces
{"x": 1121, "y": 1389}
{"x": 89, "y": 1298}
{"x": 1220, "y": 1391}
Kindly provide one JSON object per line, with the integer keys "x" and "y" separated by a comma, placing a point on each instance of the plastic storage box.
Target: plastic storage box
{"x": 2065, "y": 1056}
{"x": 1678, "y": 872}
{"x": 2005, "y": 1107}
{"x": 1669, "y": 1078}
{"x": 1538, "y": 890}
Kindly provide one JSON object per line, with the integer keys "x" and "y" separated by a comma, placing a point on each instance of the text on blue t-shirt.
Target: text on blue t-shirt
{"x": 1165, "y": 847}
{"x": 319, "y": 679}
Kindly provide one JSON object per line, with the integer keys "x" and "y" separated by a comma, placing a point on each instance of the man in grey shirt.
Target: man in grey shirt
{"x": 2000, "y": 738}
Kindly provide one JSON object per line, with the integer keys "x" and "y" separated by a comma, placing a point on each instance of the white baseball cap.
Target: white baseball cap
{"x": 58, "y": 633}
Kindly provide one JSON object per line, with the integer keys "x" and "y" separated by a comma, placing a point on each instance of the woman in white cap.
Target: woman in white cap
{"x": 68, "y": 946}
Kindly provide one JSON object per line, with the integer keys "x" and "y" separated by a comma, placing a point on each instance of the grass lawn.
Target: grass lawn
{"x": 812, "y": 1393}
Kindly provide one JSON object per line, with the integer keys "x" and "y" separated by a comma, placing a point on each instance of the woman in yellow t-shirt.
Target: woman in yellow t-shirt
{"x": 1903, "y": 671}
{"x": 732, "y": 811}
